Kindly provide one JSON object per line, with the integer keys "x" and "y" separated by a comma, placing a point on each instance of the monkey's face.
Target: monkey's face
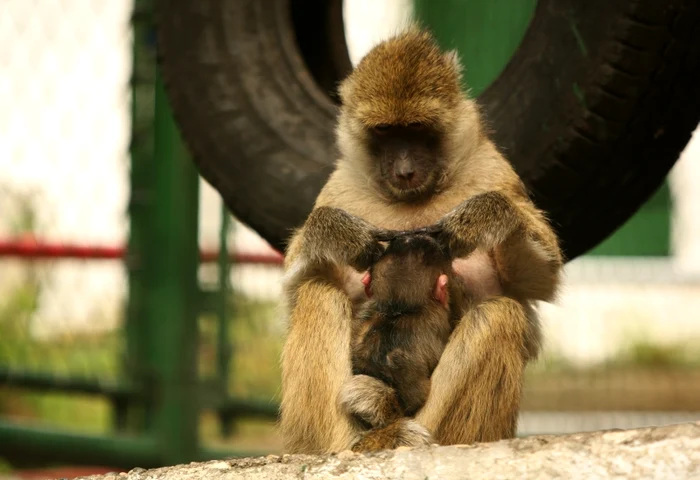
{"x": 407, "y": 159}
{"x": 399, "y": 110}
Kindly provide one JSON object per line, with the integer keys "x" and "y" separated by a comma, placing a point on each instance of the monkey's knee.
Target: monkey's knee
{"x": 501, "y": 304}
{"x": 501, "y": 314}
{"x": 504, "y": 321}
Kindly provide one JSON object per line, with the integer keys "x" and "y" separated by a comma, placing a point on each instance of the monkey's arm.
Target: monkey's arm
{"x": 331, "y": 238}
{"x": 316, "y": 354}
{"x": 315, "y": 365}
{"x": 524, "y": 247}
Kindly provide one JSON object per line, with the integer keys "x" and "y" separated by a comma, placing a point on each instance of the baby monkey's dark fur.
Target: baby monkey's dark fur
{"x": 400, "y": 334}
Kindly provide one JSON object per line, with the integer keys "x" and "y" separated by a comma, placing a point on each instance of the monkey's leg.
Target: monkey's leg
{"x": 476, "y": 387}
{"x": 315, "y": 365}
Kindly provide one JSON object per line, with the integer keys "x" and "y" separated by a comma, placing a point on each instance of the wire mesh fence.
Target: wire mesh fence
{"x": 621, "y": 344}
{"x": 64, "y": 192}
{"x": 64, "y": 122}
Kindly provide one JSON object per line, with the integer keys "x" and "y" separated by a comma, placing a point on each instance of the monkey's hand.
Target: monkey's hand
{"x": 370, "y": 399}
{"x": 332, "y": 235}
{"x": 404, "y": 432}
{"x": 485, "y": 220}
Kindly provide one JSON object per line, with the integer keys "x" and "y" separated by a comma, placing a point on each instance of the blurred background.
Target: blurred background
{"x": 77, "y": 94}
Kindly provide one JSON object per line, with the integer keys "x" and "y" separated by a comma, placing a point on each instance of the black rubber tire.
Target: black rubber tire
{"x": 592, "y": 110}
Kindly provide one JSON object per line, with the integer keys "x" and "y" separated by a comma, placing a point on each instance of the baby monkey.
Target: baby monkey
{"x": 415, "y": 302}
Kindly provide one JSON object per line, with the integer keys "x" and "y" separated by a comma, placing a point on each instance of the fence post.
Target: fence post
{"x": 224, "y": 350}
{"x": 161, "y": 330}
{"x": 131, "y": 415}
{"x": 170, "y": 279}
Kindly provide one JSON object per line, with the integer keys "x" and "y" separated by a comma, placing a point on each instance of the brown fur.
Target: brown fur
{"x": 402, "y": 433}
{"x": 404, "y": 80}
{"x": 475, "y": 389}
{"x": 400, "y": 334}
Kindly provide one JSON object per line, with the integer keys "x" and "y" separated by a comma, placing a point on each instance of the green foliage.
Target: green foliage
{"x": 95, "y": 355}
{"x": 67, "y": 355}
{"x": 645, "y": 353}
{"x": 256, "y": 346}
{"x": 4, "y": 467}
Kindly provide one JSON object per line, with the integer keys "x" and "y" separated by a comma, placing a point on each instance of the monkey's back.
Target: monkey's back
{"x": 401, "y": 346}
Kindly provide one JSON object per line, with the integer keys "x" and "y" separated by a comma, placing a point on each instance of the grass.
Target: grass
{"x": 646, "y": 376}
{"x": 254, "y": 367}
{"x": 645, "y": 353}
{"x": 5, "y": 467}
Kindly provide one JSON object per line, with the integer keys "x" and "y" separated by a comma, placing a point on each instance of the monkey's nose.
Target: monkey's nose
{"x": 406, "y": 175}
{"x": 403, "y": 170}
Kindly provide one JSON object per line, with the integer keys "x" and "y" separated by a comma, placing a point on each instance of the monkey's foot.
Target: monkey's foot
{"x": 402, "y": 433}
{"x": 371, "y": 400}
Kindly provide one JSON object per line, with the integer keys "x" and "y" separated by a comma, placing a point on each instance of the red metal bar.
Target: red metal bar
{"x": 30, "y": 249}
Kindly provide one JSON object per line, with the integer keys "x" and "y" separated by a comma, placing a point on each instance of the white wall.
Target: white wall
{"x": 64, "y": 121}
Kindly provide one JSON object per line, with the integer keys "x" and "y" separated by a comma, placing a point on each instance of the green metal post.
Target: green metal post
{"x": 170, "y": 280}
{"x": 224, "y": 348}
{"x": 130, "y": 415}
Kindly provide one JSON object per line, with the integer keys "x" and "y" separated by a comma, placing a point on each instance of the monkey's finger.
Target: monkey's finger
{"x": 386, "y": 235}
{"x": 431, "y": 230}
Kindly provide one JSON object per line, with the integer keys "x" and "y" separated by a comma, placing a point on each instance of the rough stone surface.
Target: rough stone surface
{"x": 671, "y": 452}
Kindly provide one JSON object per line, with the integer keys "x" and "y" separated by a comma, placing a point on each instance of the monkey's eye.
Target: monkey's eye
{"x": 382, "y": 128}
{"x": 416, "y": 126}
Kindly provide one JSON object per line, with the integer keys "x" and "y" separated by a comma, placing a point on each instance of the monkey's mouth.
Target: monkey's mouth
{"x": 412, "y": 191}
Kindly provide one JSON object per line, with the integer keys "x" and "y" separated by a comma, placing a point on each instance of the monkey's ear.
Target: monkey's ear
{"x": 440, "y": 292}
{"x": 367, "y": 282}
{"x": 452, "y": 57}
{"x": 344, "y": 91}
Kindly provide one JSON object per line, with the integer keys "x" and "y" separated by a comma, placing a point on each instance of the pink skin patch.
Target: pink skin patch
{"x": 440, "y": 292}
{"x": 367, "y": 282}
{"x": 479, "y": 274}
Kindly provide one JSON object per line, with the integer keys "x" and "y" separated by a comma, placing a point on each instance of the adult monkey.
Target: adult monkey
{"x": 414, "y": 154}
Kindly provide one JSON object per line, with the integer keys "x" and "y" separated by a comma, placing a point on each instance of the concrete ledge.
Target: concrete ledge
{"x": 671, "y": 452}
